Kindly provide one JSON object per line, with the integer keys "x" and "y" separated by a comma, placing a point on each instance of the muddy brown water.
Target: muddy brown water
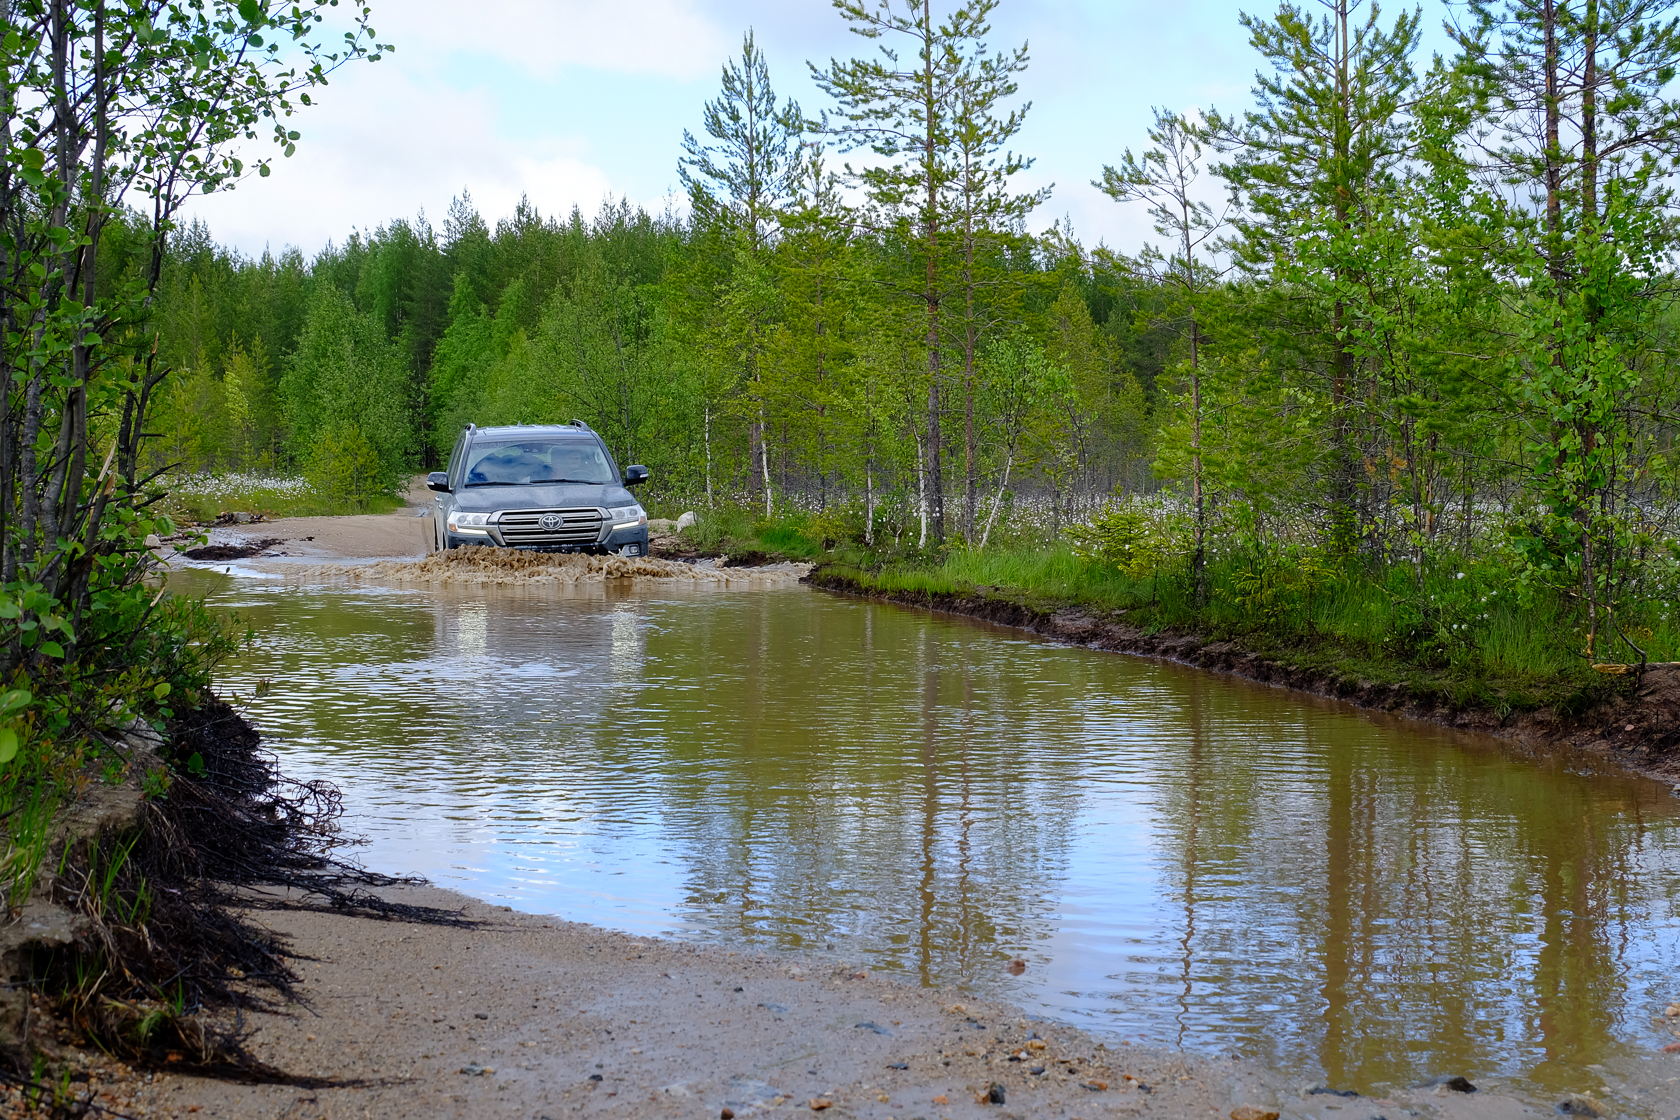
{"x": 1179, "y": 857}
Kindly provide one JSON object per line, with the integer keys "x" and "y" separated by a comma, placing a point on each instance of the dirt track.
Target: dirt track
{"x": 356, "y": 536}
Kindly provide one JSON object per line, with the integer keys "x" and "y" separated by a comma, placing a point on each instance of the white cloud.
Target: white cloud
{"x": 381, "y": 146}
{"x": 666, "y": 37}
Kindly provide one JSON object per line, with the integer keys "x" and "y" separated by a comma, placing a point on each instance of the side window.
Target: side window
{"x": 612, "y": 465}
{"x": 455, "y": 461}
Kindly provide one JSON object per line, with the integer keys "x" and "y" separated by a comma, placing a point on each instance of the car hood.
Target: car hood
{"x": 560, "y": 495}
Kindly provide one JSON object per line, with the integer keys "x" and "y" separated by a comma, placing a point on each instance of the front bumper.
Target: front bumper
{"x": 610, "y": 539}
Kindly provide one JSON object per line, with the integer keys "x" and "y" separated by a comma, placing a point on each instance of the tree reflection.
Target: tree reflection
{"x": 1179, "y": 855}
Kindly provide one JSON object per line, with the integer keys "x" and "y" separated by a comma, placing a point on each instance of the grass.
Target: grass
{"x": 1460, "y": 631}
{"x": 1460, "y": 634}
{"x": 200, "y": 499}
{"x": 1465, "y": 639}
{"x": 738, "y": 531}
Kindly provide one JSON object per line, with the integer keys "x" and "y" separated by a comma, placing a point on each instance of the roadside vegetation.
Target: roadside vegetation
{"x": 111, "y": 116}
{"x": 1471, "y": 636}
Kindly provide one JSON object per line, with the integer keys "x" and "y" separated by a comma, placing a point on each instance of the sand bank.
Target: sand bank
{"x": 531, "y": 1016}
{"x": 527, "y": 1017}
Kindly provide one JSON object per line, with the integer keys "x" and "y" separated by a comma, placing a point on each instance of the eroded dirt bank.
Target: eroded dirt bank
{"x": 1638, "y": 730}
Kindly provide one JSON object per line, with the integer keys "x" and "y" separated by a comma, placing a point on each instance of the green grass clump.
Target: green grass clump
{"x": 1467, "y": 640}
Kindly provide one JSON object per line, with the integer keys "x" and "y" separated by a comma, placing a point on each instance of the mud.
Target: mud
{"x": 233, "y": 551}
{"x": 1635, "y": 729}
{"x": 293, "y": 539}
{"x": 506, "y": 567}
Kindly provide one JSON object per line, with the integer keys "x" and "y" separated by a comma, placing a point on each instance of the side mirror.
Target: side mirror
{"x": 635, "y": 475}
{"x": 439, "y": 481}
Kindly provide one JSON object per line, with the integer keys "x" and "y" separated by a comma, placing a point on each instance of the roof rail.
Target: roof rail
{"x": 581, "y": 424}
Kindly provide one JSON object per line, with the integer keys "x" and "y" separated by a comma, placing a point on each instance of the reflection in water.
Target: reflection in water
{"x": 1178, "y": 856}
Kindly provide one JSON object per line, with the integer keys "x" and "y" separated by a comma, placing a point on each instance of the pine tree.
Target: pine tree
{"x": 903, "y": 110}
{"x": 1328, "y": 134}
{"x": 741, "y": 181}
{"x": 1164, "y": 178}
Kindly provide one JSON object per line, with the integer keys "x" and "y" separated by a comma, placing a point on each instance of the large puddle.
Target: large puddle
{"x": 1179, "y": 857}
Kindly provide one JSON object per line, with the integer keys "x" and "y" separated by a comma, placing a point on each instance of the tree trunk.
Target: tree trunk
{"x": 921, "y": 492}
{"x": 764, "y": 460}
{"x": 1008, "y": 462}
{"x": 1554, "y": 159}
{"x": 970, "y": 485}
{"x": 934, "y": 501}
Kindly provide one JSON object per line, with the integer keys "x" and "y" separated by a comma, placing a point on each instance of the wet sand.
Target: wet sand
{"x": 369, "y": 536}
{"x": 529, "y": 1016}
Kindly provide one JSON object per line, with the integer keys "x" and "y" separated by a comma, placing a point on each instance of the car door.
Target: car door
{"x": 446, "y": 502}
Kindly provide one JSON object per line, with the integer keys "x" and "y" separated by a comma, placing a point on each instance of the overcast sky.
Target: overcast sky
{"x": 569, "y": 101}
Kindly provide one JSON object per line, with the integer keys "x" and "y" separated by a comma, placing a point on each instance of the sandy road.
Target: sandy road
{"x": 565, "y": 1019}
{"x": 529, "y": 1017}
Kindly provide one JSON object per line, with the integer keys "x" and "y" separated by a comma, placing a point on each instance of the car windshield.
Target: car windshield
{"x": 538, "y": 460}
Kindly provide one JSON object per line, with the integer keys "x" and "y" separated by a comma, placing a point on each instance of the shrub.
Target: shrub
{"x": 345, "y": 469}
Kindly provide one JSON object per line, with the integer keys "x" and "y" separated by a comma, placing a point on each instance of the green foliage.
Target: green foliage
{"x": 345, "y": 470}
{"x": 1141, "y": 539}
{"x": 1417, "y": 337}
{"x": 344, "y": 376}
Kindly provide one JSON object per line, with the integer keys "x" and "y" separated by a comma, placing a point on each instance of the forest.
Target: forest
{"x": 1407, "y": 321}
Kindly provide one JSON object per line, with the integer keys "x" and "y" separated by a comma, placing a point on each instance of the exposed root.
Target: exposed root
{"x": 163, "y": 941}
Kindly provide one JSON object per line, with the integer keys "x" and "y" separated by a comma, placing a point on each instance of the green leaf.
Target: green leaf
{"x": 8, "y": 744}
{"x": 52, "y": 649}
{"x": 161, "y": 690}
{"x": 250, "y": 11}
{"x": 195, "y": 765}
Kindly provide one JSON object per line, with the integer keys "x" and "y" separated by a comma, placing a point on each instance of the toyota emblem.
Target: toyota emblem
{"x": 549, "y": 522}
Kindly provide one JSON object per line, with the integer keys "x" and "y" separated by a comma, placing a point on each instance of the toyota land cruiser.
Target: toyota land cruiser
{"x": 549, "y": 488}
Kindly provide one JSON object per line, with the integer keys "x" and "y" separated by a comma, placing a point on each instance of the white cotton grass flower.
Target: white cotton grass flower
{"x": 238, "y": 484}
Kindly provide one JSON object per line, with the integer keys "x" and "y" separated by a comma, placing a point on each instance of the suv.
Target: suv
{"x": 547, "y": 488}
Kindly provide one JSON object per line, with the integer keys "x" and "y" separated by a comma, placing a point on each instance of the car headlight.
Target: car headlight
{"x": 627, "y": 517}
{"x": 468, "y": 522}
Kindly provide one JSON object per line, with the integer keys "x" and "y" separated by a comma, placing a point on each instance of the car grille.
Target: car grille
{"x": 523, "y": 528}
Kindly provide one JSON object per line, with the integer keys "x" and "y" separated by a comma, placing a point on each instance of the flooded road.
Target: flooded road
{"x": 1178, "y": 857}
